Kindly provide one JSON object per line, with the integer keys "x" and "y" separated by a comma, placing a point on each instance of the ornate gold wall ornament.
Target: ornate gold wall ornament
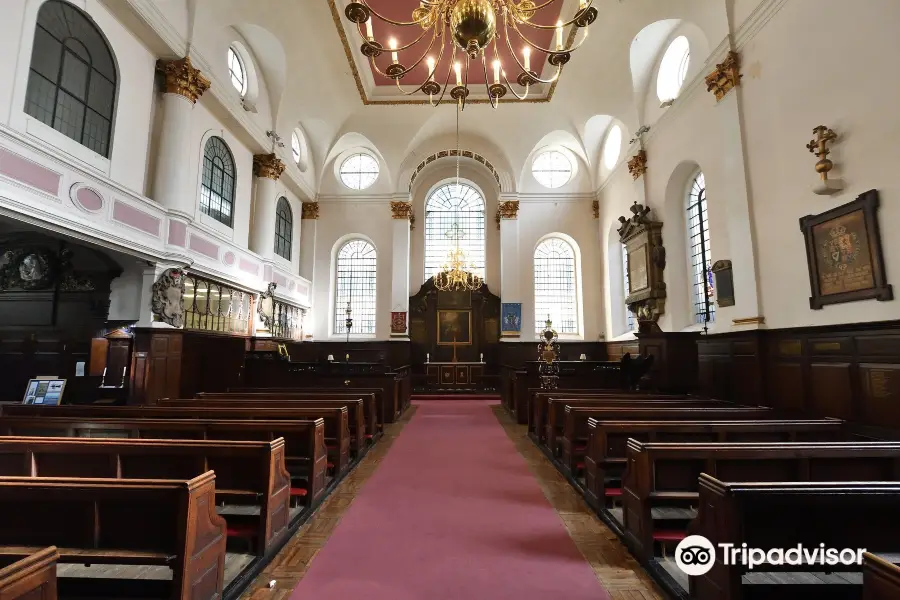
{"x": 637, "y": 164}
{"x": 595, "y": 206}
{"x": 309, "y": 210}
{"x": 268, "y": 166}
{"x": 412, "y": 220}
{"x": 497, "y": 218}
{"x": 819, "y": 147}
{"x": 642, "y": 238}
{"x": 401, "y": 210}
{"x": 726, "y": 76}
{"x": 182, "y": 78}
{"x": 509, "y": 209}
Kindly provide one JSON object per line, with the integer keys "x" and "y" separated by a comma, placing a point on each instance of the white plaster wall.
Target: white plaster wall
{"x": 127, "y": 163}
{"x": 341, "y": 221}
{"x": 854, "y": 92}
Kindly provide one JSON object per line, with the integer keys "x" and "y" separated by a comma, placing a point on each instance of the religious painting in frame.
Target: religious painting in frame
{"x": 843, "y": 253}
{"x": 454, "y": 327}
{"x": 511, "y": 315}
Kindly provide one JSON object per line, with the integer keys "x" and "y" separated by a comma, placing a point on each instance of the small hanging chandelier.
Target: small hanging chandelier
{"x": 471, "y": 26}
{"x": 457, "y": 275}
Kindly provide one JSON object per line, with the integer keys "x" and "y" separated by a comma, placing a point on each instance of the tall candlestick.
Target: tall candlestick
{"x": 393, "y": 44}
{"x": 458, "y": 68}
{"x": 559, "y": 32}
{"x": 527, "y": 53}
{"x": 496, "y": 70}
{"x": 430, "y": 61}
{"x": 369, "y": 33}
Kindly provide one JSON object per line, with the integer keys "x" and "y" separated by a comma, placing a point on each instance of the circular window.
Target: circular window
{"x": 236, "y": 71}
{"x": 552, "y": 169}
{"x": 295, "y": 147}
{"x": 359, "y": 171}
{"x": 612, "y": 148}
{"x": 673, "y": 69}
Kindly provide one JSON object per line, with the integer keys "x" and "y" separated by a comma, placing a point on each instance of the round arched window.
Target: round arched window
{"x": 236, "y": 71}
{"x": 359, "y": 171}
{"x": 612, "y": 148}
{"x": 673, "y": 69}
{"x": 295, "y": 147}
{"x": 552, "y": 169}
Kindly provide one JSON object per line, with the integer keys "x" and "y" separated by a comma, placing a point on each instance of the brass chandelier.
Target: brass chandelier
{"x": 457, "y": 275}
{"x": 470, "y": 26}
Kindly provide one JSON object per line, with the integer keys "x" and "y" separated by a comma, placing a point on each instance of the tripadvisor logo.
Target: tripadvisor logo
{"x": 696, "y": 555}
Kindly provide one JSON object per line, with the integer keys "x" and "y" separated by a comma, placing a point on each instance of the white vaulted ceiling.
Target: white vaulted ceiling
{"x": 309, "y": 79}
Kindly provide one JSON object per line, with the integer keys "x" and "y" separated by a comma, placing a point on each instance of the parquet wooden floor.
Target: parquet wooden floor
{"x": 616, "y": 570}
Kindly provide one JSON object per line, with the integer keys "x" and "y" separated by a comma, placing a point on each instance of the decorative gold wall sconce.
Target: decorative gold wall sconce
{"x": 637, "y": 165}
{"x": 819, "y": 147}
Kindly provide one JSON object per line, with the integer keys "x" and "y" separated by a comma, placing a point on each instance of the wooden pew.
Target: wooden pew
{"x": 881, "y": 579}
{"x": 356, "y": 420}
{"x": 782, "y": 515}
{"x": 371, "y": 399}
{"x": 305, "y": 453}
{"x": 31, "y": 578}
{"x": 337, "y": 421}
{"x": 125, "y": 521}
{"x": 388, "y": 405}
{"x": 662, "y": 410}
{"x": 247, "y": 472}
{"x": 605, "y": 458}
{"x": 537, "y": 419}
{"x": 665, "y": 475}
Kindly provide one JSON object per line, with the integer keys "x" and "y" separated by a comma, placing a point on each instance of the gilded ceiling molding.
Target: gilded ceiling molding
{"x": 309, "y": 210}
{"x": 183, "y": 79}
{"x": 595, "y": 206}
{"x": 454, "y": 152}
{"x": 509, "y": 209}
{"x": 401, "y": 210}
{"x": 268, "y": 166}
{"x": 637, "y": 164}
{"x": 348, "y": 52}
{"x": 726, "y": 76}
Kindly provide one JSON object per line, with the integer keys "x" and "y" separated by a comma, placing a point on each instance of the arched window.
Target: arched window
{"x": 72, "y": 81}
{"x": 236, "y": 71}
{"x": 698, "y": 238}
{"x": 555, "y": 286}
{"x": 454, "y": 214}
{"x": 217, "y": 189}
{"x": 626, "y": 280}
{"x": 284, "y": 228}
{"x": 673, "y": 69}
{"x": 355, "y": 283}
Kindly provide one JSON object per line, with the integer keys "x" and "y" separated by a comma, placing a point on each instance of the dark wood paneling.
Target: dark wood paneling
{"x": 845, "y": 371}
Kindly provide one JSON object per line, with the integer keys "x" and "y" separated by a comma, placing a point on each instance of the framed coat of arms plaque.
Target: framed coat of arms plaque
{"x": 843, "y": 252}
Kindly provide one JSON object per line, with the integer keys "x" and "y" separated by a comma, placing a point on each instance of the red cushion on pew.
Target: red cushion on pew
{"x": 243, "y": 530}
{"x": 331, "y": 446}
{"x": 612, "y": 492}
{"x": 579, "y": 465}
{"x": 299, "y": 491}
{"x": 581, "y": 447}
{"x": 369, "y": 436}
{"x": 329, "y": 465}
{"x": 669, "y": 535}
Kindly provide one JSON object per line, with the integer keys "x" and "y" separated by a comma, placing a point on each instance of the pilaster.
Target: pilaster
{"x": 401, "y": 212}
{"x": 267, "y": 168}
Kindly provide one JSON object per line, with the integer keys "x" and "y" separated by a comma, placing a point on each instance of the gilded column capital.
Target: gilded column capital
{"x": 508, "y": 209}
{"x": 637, "y": 165}
{"x": 726, "y": 76}
{"x": 268, "y": 166}
{"x": 309, "y": 210}
{"x": 401, "y": 210}
{"x": 183, "y": 79}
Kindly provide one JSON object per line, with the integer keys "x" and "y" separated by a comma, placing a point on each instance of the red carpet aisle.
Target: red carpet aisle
{"x": 452, "y": 513}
